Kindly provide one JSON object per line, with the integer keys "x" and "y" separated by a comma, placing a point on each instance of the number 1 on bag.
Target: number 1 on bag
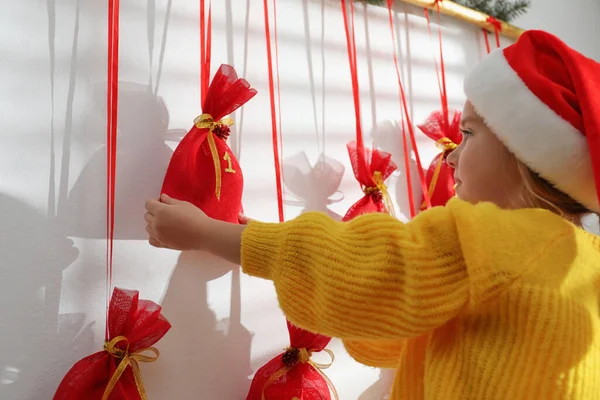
{"x": 229, "y": 168}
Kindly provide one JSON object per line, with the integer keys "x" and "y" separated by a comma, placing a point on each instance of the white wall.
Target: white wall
{"x": 52, "y": 179}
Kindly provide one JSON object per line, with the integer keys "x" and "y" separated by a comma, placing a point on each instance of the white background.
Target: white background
{"x": 52, "y": 169}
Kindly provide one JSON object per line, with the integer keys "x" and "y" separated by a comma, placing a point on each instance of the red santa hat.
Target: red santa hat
{"x": 542, "y": 99}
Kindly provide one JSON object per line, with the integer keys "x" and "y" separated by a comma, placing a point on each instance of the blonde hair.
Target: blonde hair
{"x": 539, "y": 193}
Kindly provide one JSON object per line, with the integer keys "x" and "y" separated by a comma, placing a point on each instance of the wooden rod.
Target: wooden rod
{"x": 466, "y": 14}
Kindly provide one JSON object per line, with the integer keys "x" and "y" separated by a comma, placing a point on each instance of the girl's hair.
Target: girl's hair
{"x": 539, "y": 193}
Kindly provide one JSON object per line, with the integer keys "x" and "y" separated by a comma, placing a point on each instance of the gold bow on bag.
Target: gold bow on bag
{"x": 303, "y": 357}
{"x": 206, "y": 121}
{"x": 445, "y": 145}
{"x": 381, "y": 188}
{"x": 128, "y": 359}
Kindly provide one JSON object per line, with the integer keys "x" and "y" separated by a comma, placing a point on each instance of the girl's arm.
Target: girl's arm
{"x": 371, "y": 278}
{"x": 376, "y": 353}
{"x": 374, "y": 278}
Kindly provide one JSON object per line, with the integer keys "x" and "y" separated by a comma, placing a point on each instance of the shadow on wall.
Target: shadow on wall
{"x": 35, "y": 252}
{"x": 312, "y": 186}
{"x": 142, "y": 160}
{"x": 37, "y": 344}
{"x": 388, "y": 136}
{"x": 200, "y": 357}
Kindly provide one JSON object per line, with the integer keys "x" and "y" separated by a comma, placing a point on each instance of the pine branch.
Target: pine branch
{"x": 511, "y": 11}
{"x": 484, "y": 6}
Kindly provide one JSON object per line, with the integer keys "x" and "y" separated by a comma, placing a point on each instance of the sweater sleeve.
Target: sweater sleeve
{"x": 376, "y": 353}
{"x": 371, "y": 278}
{"x": 376, "y": 278}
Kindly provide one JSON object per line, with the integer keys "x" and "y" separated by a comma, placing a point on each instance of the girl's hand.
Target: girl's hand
{"x": 179, "y": 225}
{"x": 176, "y": 224}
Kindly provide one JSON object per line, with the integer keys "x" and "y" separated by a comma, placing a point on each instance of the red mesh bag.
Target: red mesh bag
{"x": 292, "y": 374}
{"x": 447, "y": 135}
{"x": 378, "y": 167}
{"x": 203, "y": 170}
{"x": 113, "y": 374}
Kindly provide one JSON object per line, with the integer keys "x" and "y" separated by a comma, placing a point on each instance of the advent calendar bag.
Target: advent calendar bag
{"x": 447, "y": 136}
{"x": 293, "y": 374}
{"x": 114, "y": 373}
{"x": 203, "y": 170}
{"x": 379, "y": 166}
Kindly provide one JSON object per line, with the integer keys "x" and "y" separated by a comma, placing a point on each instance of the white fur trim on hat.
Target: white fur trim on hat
{"x": 539, "y": 137}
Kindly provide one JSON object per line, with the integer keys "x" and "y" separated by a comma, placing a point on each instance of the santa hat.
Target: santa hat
{"x": 542, "y": 99}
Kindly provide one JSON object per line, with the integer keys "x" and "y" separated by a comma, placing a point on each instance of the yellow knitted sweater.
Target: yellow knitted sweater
{"x": 466, "y": 301}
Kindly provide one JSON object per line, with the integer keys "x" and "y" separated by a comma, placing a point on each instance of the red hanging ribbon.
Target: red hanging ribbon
{"x": 278, "y": 97}
{"x": 441, "y": 77}
{"x": 404, "y": 141}
{"x": 205, "y": 49}
{"x": 202, "y": 51}
{"x": 111, "y": 141}
{"x": 405, "y": 124}
{"x": 440, "y": 122}
{"x": 487, "y": 41}
{"x": 497, "y": 29}
{"x": 275, "y": 136}
{"x": 351, "y": 47}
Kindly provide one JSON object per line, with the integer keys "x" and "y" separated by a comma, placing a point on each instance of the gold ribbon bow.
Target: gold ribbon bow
{"x": 303, "y": 358}
{"x": 128, "y": 359}
{"x": 206, "y": 121}
{"x": 381, "y": 188}
{"x": 445, "y": 145}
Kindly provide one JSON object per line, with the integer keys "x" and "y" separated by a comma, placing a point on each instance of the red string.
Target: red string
{"x": 208, "y": 50}
{"x": 278, "y": 90}
{"x": 497, "y": 29}
{"x": 487, "y": 41}
{"x": 351, "y": 47}
{"x": 202, "y": 51}
{"x": 205, "y": 48}
{"x": 408, "y": 123}
{"x": 440, "y": 77}
{"x": 275, "y": 136}
{"x": 111, "y": 141}
{"x": 108, "y": 144}
{"x": 440, "y": 71}
{"x": 411, "y": 200}
{"x": 443, "y": 68}
{"x": 437, "y": 73}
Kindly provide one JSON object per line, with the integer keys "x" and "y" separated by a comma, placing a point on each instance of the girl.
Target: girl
{"x": 496, "y": 295}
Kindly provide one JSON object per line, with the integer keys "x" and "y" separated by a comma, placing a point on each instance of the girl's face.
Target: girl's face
{"x": 484, "y": 169}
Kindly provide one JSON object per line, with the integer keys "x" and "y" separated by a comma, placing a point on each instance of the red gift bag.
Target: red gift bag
{"x": 203, "y": 170}
{"x": 440, "y": 176}
{"x": 113, "y": 374}
{"x": 292, "y": 375}
{"x": 379, "y": 166}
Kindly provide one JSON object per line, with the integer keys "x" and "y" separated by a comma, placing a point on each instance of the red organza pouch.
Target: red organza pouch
{"x": 203, "y": 170}
{"x": 379, "y": 166}
{"x": 292, "y": 374}
{"x": 113, "y": 374}
{"x": 447, "y": 135}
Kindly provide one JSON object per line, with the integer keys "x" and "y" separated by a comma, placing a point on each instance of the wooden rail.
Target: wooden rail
{"x": 466, "y": 14}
